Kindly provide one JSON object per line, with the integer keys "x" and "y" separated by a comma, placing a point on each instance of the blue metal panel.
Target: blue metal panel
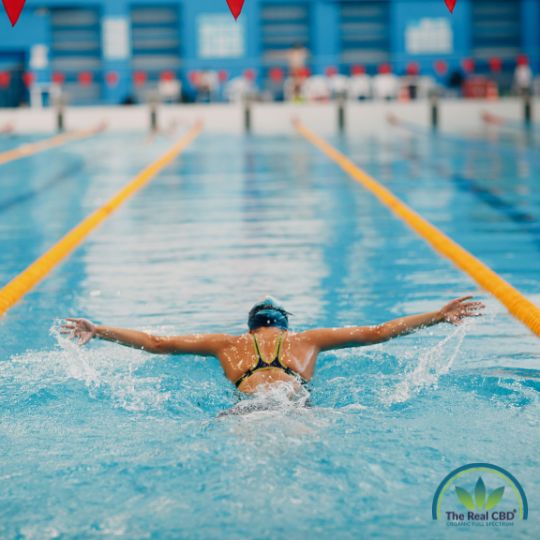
{"x": 76, "y": 47}
{"x": 155, "y": 39}
{"x": 530, "y": 31}
{"x": 12, "y": 63}
{"x": 496, "y": 29}
{"x": 283, "y": 25}
{"x": 324, "y": 33}
{"x": 365, "y": 32}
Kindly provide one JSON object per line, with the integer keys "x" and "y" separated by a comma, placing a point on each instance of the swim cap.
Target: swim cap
{"x": 268, "y": 312}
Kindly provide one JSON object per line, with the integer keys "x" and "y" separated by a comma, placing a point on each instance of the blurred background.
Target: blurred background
{"x": 181, "y": 51}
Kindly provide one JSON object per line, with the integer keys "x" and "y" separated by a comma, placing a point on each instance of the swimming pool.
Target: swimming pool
{"x": 106, "y": 441}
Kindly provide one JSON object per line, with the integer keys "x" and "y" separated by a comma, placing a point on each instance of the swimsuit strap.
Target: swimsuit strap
{"x": 261, "y": 363}
{"x": 277, "y": 352}
{"x": 279, "y": 347}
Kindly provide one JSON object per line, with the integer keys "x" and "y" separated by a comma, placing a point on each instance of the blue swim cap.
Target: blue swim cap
{"x": 268, "y": 312}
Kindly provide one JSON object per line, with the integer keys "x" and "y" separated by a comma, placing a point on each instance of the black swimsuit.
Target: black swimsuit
{"x": 264, "y": 364}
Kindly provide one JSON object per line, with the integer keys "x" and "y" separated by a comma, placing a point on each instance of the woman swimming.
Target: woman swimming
{"x": 269, "y": 352}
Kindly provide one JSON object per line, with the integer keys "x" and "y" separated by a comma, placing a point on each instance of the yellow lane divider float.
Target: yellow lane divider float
{"x": 40, "y": 146}
{"x": 29, "y": 278}
{"x": 519, "y": 306}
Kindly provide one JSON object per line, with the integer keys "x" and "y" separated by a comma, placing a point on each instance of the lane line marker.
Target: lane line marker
{"x": 11, "y": 293}
{"x": 517, "y": 304}
{"x": 30, "y": 149}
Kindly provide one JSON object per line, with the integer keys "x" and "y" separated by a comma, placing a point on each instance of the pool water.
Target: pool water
{"x": 105, "y": 441}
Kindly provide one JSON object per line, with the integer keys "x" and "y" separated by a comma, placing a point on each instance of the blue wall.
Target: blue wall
{"x": 34, "y": 28}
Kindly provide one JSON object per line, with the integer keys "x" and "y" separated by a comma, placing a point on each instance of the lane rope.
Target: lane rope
{"x": 19, "y": 286}
{"x": 517, "y": 304}
{"x": 30, "y": 149}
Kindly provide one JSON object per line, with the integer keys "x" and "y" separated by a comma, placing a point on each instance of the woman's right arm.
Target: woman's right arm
{"x": 199, "y": 344}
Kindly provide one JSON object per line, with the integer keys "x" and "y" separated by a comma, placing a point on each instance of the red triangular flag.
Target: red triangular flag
{"x": 236, "y": 7}
{"x": 450, "y": 4}
{"x": 13, "y": 9}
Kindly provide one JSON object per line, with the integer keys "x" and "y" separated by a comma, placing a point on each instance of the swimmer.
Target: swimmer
{"x": 269, "y": 353}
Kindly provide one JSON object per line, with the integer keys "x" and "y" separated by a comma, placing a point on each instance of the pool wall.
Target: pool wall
{"x": 272, "y": 118}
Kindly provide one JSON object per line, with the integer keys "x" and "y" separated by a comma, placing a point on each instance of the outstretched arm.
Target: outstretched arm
{"x": 341, "y": 338}
{"x": 200, "y": 344}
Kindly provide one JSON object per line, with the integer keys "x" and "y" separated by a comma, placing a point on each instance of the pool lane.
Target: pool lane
{"x": 108, "y": 440}
{"x": 47, "y": 143}
{"x": 486, "y": 201}
{"x": 44, "y": 196}
{"x": 31, "y": 276}
{"x": 517, "y": 304}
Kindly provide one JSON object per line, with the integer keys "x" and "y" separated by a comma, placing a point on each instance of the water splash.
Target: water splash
{"x": 268, "y": 400}
{"x": 432, "y": 364}
{"x": 107, "y": 373}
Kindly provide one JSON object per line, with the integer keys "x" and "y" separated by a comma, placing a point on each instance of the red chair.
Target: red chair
{"x": 140, "y": 78}
{"x": 358, "y": 70}
{"x": 29, "y": 78}
{"x": 112, "y": 78}
{"x": 168, "y": 76}
{"x": 194, "y": 77}
{"x": 468, "y": 65}
{"x": 276, "y": 75}
{"x": 5, "y": 79}
{"x": 331, "y": 71}
{"x": 249, "y": 74}
{"x": 522, "y": 60}
{"x": 495, "y": 64}
{"x": 85, "y": 78}
{"x": 58, "y": 77}
{"x": 413, "y": 69}
{"x": 441, "y": 67}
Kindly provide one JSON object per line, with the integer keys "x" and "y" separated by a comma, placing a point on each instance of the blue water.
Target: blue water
{"x": 105, "y": 441}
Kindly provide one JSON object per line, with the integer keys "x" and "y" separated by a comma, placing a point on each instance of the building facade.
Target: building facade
{"x": 105, "y": 51}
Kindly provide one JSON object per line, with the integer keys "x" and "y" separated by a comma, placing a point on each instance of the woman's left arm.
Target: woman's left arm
{"x": 340, "y": 338}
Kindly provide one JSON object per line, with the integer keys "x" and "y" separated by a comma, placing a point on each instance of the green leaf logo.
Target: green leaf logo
{"x": 494, "y": 498}
{"x": 480, "y": 494}
{"x": 465, "y": 498}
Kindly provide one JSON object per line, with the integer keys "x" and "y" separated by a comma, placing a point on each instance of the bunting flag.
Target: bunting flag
{"x": 450, "y": 4}
{"x": 13, "y": 9}
{"x": 236, "y": 7}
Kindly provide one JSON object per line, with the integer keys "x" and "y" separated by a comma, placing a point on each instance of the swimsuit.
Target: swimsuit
{"x": 265, "y": 364}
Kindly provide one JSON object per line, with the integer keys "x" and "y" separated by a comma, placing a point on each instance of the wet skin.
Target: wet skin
{"x": 299, "y": 350}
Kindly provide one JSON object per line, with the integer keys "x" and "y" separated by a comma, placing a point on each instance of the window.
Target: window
{"x": 220, "y": 36}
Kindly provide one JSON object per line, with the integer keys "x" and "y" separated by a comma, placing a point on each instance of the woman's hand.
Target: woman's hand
{"x": 455, "y": 311}
{"x": 80, "y": 329}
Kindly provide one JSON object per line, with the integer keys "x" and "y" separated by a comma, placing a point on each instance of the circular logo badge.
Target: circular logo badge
{"x": 480, "y": 494}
